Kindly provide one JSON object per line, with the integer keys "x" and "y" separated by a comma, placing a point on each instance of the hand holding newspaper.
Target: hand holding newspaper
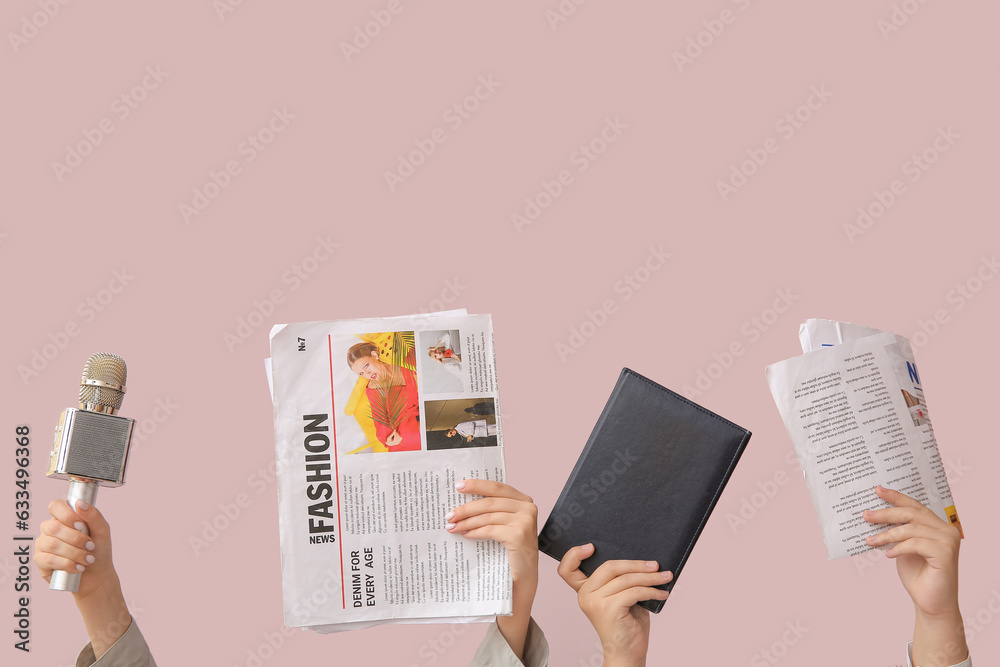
{"x": 854, "y": 407}
{"x": 375, "y": 422}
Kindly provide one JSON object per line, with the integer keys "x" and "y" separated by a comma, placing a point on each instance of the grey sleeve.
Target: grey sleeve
{"x": 130, "y": 650}
{"x": 494, "y": 651}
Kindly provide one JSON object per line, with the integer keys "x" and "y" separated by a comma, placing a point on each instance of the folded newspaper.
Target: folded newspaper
{"x": 854, "y": 407}
{"x": 375, "y": 421}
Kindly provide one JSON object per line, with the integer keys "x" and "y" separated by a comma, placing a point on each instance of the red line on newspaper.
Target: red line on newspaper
{"x": 336, "y": 471}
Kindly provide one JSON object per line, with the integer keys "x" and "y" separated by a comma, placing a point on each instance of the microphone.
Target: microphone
{"x": 91, "y": 442}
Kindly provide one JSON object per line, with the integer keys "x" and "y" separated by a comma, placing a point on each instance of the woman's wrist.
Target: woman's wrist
{"x": 623, "y": 649}
{"x": 106, "y": 616}
{"x": 514, "y": 628}
{"x": 107, "y": 591}
{"x": 939, "y": 639}
{"x": 619, "y": 661}
{"x": 524, "y": 593}
{"x": 948, "y": 614}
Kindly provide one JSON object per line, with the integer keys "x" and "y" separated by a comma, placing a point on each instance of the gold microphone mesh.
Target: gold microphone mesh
{"x": 108, "y": 368}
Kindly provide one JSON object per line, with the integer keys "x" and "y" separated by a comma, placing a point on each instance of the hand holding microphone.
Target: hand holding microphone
{"x": 61, "y": 546}
{"x": 90, "y": 450}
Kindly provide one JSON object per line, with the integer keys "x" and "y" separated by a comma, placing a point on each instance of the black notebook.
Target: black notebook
{"x": 647, "y": 480}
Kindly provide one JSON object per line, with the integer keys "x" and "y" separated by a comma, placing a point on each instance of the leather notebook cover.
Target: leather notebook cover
{"x": 647, "y": 481}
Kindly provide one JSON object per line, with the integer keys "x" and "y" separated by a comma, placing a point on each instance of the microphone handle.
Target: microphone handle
{"x": 87, "y": 492}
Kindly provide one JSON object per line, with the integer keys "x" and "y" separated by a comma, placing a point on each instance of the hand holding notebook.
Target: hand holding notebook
{"x": 647, "y": 481}
{"x": 610, "y": 598}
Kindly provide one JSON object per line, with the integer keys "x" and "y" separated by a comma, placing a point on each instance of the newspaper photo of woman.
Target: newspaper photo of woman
{"x": 443, "y": 351}
{"x": 445, "y": 370}
{"x": 391, "y": 391}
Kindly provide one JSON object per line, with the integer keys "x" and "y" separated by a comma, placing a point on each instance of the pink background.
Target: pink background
{"x": 446, "y": 233}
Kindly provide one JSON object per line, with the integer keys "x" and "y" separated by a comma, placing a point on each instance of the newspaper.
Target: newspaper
{"x": 854, "y": 407}
{"x": 375, "y": 421}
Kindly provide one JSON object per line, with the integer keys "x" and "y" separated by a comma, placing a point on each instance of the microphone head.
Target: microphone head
{"x": 102, "y": 387}
{"x": 92, "y": 442}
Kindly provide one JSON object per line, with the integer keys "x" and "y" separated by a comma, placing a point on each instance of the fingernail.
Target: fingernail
{"x": 82, "y": 506}
{"x": 449, "y": 526}
{"x": 79, "y": 568}
{"x": 90, "y": 546}
{"x": 449, "y": 516}
{"x": 667, "y": 576}
{"x": 90, "y": 559}
{"x": 651, "y": 564}
{"x": 460, "y": 485}
{"x": 79, "y": 526}
{"x": 588, "y": 546}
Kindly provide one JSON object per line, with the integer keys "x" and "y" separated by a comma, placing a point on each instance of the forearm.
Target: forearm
{"x": 939, "y": 641}
{"x": 610, "y": 661}
{"x": 514, "y": 628}
{"x": 105, "y": 615}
